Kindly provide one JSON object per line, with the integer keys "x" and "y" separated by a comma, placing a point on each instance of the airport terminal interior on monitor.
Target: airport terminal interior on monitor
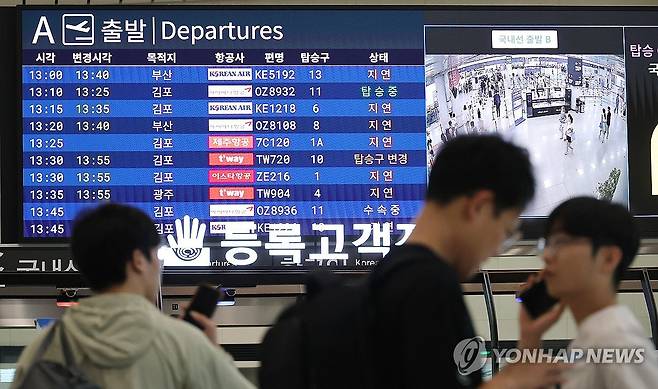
{"x": 539, "y": 101}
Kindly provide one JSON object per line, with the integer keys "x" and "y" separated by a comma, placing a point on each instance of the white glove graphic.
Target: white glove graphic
{"x": 188, "y": 244}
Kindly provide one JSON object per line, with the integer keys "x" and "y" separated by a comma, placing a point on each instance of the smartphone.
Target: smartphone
{"x": 204, "y": 301}
{"x": 537, "y": 300}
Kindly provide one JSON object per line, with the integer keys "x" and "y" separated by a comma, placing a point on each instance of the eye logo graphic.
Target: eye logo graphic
{"x": 186, "y": 249}
{"x": 468, "y": 355}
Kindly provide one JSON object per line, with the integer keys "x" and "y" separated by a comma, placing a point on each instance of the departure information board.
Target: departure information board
{"x": 253, "y": 123}
{"x": 292, "y": 138}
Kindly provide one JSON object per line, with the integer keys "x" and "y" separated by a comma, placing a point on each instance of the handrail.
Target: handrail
{"x": 651, "y": 305}
{"x": 491, "y": 314}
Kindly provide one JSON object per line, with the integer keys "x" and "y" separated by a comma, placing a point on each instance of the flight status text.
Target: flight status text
{"x": 178, "y": 120}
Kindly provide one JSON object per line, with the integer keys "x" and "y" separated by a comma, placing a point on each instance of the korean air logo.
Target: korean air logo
{"x": 77, "y": 29}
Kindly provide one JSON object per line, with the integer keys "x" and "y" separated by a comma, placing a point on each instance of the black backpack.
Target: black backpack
{"x": 44, "y": 374}
{"x": 324, "y": 340}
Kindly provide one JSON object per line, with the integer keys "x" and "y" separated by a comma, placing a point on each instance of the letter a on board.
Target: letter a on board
{"x": 43, "y": 29}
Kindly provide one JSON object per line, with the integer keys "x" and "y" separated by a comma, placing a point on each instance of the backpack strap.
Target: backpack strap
{"x": 69, "y": 360}
{"x": 412, "y": 255}
{"x": 46, "y": 342}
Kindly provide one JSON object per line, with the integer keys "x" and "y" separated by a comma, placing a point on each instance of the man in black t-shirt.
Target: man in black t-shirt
{"x": 477, "y": 189}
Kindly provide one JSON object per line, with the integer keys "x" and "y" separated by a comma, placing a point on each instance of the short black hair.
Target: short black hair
{"x": 603, "y": 222}
{"x": 470, "y": 163}
{"x": 104, "y": 239}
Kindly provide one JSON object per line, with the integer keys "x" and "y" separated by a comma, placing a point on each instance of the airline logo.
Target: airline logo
{"x": 227, "y": 125}
{"x": 232, "y": 193}
{"x": 231, "y": 210}
{"x": 227, "y": 227}
{"x": 231, "y": 176}
{"x": 230, "y": 74}
{"x": 230, "y": 108}
{"x": 231, "y": 159}
{"x": 230, "y": 90}
{"x": 231, "y": 142}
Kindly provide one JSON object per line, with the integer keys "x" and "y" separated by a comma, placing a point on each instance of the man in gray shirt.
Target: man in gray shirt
{"x": 118, "y": 338}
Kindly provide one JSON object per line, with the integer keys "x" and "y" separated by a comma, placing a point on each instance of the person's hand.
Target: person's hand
{"x": 533, "y": 329}
{"x": 528, "y": 376}
{"x": 208, "y": 326}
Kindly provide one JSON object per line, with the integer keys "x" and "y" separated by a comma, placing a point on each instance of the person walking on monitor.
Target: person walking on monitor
{"x": 563, "y": 121}
{"x": 569, "y": 135}
{"x": 496, "y": 100}
{"x": 480, "y": 121}
{"x": 602, "y": 124}
{"x": 608, "y": 121}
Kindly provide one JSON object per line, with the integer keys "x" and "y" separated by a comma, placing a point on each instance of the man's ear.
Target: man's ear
{"x": 611, "y": 256}
{"x": 477, "y": 202}
{"x": 138, "y": 263}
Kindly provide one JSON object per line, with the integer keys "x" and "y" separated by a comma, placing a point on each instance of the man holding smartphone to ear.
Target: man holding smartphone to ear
{"x": 587, "y": 247}
{"x": 118, "y": 338}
